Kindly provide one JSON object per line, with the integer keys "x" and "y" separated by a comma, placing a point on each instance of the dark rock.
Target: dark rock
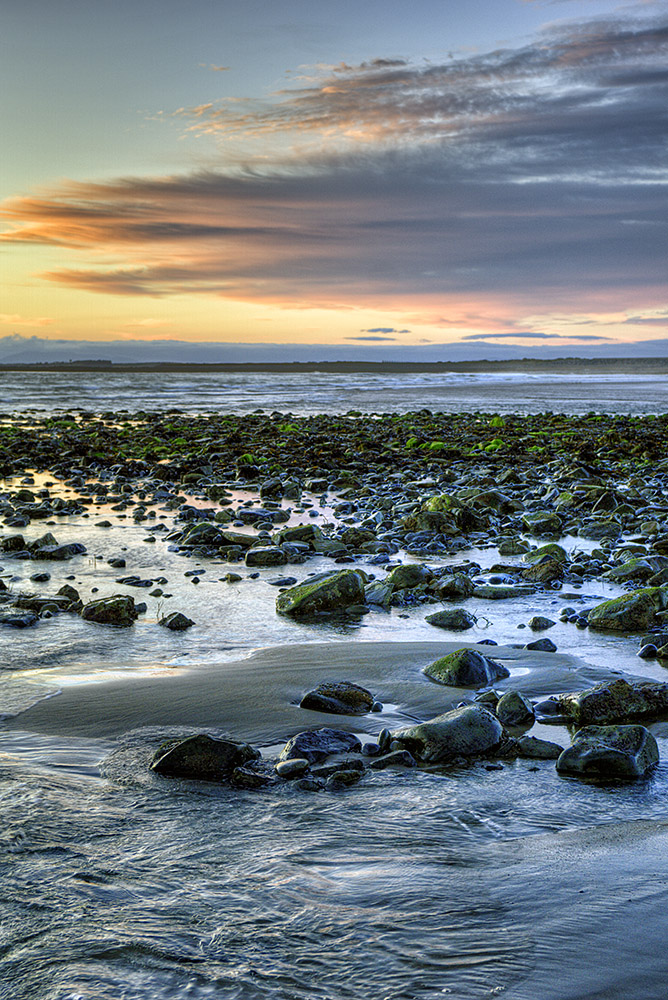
{"x": 454, "y": 619}
{"x": 18, "y": 619}
{"x": 269, "y": 555}
{"x": 469, "y": 731}
{"x": 176, "y": 621}
{"x": 293, "y": 768}
{"x": 398, "y": 758}
{"x": 325, "y": 592}
{"x": 533, "y": 748}
{"x": 116, "y": 610}
{"x": 344, "y": 779}
{"x": 542, "y": 645}
{"x": 630, "y": 613}
{"x": 465, "y": 668}
{"x": 338, "y": 698}
{"x": 540, "y": 624}
{"x": 202, "y": 757}
{"x": 612, "y": 701}
{"x": 316, "y": 745}
{"x": 610, "y": 752}
{"x": 513, "y": 709}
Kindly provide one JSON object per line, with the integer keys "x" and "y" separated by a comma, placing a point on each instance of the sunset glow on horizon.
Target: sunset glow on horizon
{"x": 489, "y": 178}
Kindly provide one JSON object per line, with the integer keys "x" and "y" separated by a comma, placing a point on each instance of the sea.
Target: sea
{"x": 507, "y": 881}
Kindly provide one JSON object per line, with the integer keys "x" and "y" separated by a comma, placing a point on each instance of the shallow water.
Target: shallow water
{"x": 319, "y": 392}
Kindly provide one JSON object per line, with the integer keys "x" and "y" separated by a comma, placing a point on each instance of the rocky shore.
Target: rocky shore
{"x": 409, "y": 496}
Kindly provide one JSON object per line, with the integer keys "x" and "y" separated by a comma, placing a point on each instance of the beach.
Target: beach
{"x": 487, "y": 875}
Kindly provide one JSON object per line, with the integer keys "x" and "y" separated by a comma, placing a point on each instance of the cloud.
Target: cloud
{"x": 371, "y": 338}
{"x": 14, "y": 319}
{"x": 384, "y": 329}
{"x": 531, "y": 176}
{"x": 536, "y": 335}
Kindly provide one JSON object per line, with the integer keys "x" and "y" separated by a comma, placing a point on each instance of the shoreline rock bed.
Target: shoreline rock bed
{"x": 427, "y": 485}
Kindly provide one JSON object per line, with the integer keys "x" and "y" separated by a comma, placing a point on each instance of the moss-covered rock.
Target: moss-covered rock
{"x": 630, "y": 613}
{"x": 613, "y": 701}
{"x": 116, "y": 610}
{"x": 465, "y": 668}
{"x": 470, "y": 731}
{"x": 325, "y": 592}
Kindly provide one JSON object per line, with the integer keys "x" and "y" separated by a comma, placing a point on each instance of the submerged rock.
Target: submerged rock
{"x": 325, "y": 592}
{"x": 465, "y": 668}
{"x": 117, "y": 610}
{"x": 470, "y": 731}
{"x": 338, "y": 698}
{"x": 203, "y": 757}
{"x": 610, "y": 752}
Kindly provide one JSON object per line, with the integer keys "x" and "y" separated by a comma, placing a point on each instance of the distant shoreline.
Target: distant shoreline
{"x": 548, "y": 365}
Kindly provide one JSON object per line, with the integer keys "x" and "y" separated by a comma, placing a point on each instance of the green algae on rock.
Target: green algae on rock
{"x": 465, "y": 668}
{"x": 632, "y": 612}
{"x": 116, "y": 610}
{"x": 324, "y": 592}
{"x": 612, "y": 701}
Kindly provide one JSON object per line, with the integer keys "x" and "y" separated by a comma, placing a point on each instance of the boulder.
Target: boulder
{"x": 18, "y": 619}
{"x": 552, "y": 550}
{"x": 465, "y": 668}
{"x": 116, "y": 610}
{"x": 454, "y": 587}
{"x": 612, "y": 701}
{"x": 338, "y": 698}
{"x": 59, "y": 553}
{"x": 408, "y": 576}
{"x": 540, "y": 624}
{"x": 513, "y": 709}
{"x": 315, "y": 745}
{"x": 533, "y": 748}
{"x": 610, "y": 752}
{"x": 632, "y": 612}
{"x": 470, "y": 731}
{"x": 545, "y": 570}
{"x": 325, "y": 592}
{"x": 542, "y": 522}
{"x": 176, "y": 621}
{"x": 454, "y": 619}
{"x": 202, "y": 757}
{"x": 269, "y": 555}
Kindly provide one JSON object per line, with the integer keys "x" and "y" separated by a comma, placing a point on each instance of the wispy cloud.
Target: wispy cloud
{"x": 15, "y": 319}
{"x": 537, "y": 335}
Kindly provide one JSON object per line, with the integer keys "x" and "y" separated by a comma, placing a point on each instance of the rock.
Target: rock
{"x": 544, "y": 571}
{"x": 513, "y": 547}
{"x": 465, "y": 668}
{"x": 470, "y": 731}
{"x": 408, "y": 576}
{"x": 542, "y": 645}
{"x": 534, "y": 749}
{"x": 539, "y": 624}
{"x": 117, "y": 610}
{"x": 513, "y": 709}
{"x": 552, "y": 550}
{"x": 59, "y": 553}
{"x": 13, "y": 543}
{"x": 455, "y": 619}
{"x": 612, "y": 701}
{"x": 245, "y": 777}
{"x": 316, "y": 745}
{"x": 378, "y": 592}
{"x": 176, "y": 621}
{"x": 610, "y": 752}
{"x": 338, "y": 698}
{"x": 632, "y": 612}
{"x": 71, "y": 593}
{"x": 293, "y": 768}
{"x": 542, "y": 522}
{"x": 648, "y": 651}
{"x": 18, "y": 619}
{"x": 325, "y": 592}
{"x": 398, "y": 758}
{"x": 344, "y": 779}
{"x": 598, "y": 530}
{"x": 503, "y": 592}
{"x": 349, "y": 764}
{"x": 202, "y": 757}
{"x": 269, "y": 555}
{"x": 454, "y": 587}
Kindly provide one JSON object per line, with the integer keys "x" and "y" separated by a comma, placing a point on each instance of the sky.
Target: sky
{"x": 245, "y": 180}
